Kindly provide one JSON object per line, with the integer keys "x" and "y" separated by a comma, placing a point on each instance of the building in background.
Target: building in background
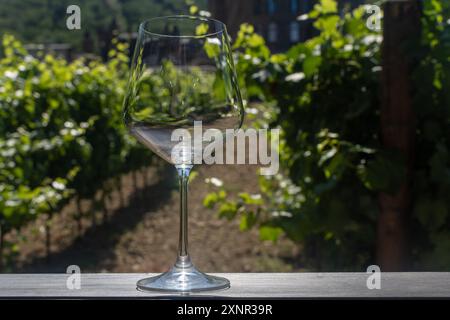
{"x": 275, "y": 20}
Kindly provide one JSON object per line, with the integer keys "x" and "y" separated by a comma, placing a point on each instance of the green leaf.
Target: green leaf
{"x": 254, "y": 199}
{"x": 336, "y": 166}
{"x": 193, "y": 10}
{"x": 311, "y": 64}
{"x": 210, "y": 200}
{"x": 228, "y": 210}
{"x": 255, "y": 40}
{"x": 327, "y": 25}
{"x": 248, "y": 220}
{"x": 201, "y": 29}
{"x": 212, "y": 47}
{"x": 271, "y": 233}
{"x": 328, "y": 6}
{"x": 193, "y": 175}
{"x": 385, "y": 173}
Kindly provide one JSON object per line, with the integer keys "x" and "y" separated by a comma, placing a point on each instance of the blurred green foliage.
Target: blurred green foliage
{"x": 61, "y": 131}
{"x": 326, "y": 97}
{"x": 43, "y": 21}
{"x": 171, "y": 96}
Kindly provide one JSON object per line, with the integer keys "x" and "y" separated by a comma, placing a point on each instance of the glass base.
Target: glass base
{"x": 183, "y": 277}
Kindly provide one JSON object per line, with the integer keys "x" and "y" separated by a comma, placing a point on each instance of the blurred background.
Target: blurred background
{"x": 359, "y": 90}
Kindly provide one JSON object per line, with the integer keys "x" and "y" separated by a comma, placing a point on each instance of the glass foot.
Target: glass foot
{"x": 183, "y": 277}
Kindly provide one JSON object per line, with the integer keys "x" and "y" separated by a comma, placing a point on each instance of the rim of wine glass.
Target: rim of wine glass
{"x": 182, "y": 16}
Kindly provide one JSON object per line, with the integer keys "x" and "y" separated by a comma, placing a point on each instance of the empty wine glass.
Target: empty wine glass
{"x": 182, "y": 73}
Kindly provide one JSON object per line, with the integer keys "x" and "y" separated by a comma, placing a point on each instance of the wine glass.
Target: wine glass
{"x": 182, "y": 74}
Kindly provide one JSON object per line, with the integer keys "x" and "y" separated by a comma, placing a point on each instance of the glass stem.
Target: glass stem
{"x": 183, "y": 259}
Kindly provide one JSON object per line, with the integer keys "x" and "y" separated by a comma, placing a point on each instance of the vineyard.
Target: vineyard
{"x": 62, "y": 135}
{"x": 62, "y": 139}
{"x": 324, "y": 95}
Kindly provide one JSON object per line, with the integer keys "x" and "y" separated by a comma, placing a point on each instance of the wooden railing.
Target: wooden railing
{"x": 243, "y": 285}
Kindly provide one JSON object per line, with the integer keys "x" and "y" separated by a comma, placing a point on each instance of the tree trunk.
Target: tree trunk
{"x": 401, "y": 30}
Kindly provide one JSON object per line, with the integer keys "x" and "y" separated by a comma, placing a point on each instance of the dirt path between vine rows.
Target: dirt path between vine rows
{"x": 142, "y": 235}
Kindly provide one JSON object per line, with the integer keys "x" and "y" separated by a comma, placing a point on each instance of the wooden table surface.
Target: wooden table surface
{"x": 243, "y": 285}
